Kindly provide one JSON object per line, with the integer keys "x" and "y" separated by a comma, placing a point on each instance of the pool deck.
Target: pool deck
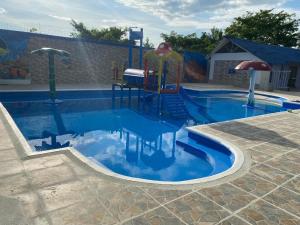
{"x": 58, "y": 188}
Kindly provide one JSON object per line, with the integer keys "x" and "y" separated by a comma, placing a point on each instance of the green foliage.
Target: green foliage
{"x": 116, "y": 34}
{"x": 2, "y": 51}
{"x": 148, "y": 44}
{"x": 33, "y": 30}
{"x": 266, "y": 26}
{"x": 191, "y": 42}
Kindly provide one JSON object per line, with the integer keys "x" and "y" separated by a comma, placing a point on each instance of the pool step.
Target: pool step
{"x": 192, "y": 146}
{"x": 171, "y": 105}
{"x": 174, "y": 105}
{"x": 188, "y": 142}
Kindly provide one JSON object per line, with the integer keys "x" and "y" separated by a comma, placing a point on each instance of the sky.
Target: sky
{"x": 156, "y": 17}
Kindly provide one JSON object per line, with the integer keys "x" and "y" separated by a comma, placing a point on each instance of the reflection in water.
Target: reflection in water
{"x": 53, "y": 142}
{"x": 159, "y": 154}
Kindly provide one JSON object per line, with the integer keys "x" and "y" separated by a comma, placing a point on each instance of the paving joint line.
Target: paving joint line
{"x": 175, "y": 199}
{"x": 150, "y": 210}
{"x": 228, "y": 217}
{"x": 9, "y": 148}
{"x": 261, "y": 198}
{"x": 295, "y": 176}
{"x": 164, "y": 204}
{"x": 35, "y": 191}
{"x": 141, "y": 214}
{"x": 275, "y": 157}
{"x": 170, "y": 211}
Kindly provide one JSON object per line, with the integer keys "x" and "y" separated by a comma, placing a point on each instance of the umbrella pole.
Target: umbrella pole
{"x": 251, "y": 99}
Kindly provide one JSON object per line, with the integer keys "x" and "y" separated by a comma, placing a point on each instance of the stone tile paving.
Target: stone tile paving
{"x": 56, "y": 189}
{"x": 264, "y": 213}
{"x": 270, "y": 173}
{"x": 164, "y": 196}
{"x": 228, "y": 196}
{"x": 158, "y": 216}
{"x": 254, "y": 184}
{"x": 294, "y": 185}
{"x": 196, "y": 209}
{"x": 233, "y": 221}
{"x": 285, "y": 199}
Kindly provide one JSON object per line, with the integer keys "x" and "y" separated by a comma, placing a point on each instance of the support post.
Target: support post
{"x": 129, "y": 97}
{"x": 52, "y": 76}
{"x": 139, "y": 96}
{"x": 121, "y": 99}
{"x": 130, "y": 56}
{"x": 251, "y": 99}
{"x": 141, "y": 49}
{"x": 164, "y": 79}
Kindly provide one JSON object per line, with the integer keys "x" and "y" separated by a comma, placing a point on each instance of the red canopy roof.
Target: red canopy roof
{"x": 255, "y": 65}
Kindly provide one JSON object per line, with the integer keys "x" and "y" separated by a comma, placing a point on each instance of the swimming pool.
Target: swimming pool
{"x": 128, "y": 136}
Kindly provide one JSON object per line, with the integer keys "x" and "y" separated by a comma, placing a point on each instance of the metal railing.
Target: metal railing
{"x": 280, "y": 79}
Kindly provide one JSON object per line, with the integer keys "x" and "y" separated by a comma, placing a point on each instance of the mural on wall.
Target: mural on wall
{"x": 195, "y": 67}
{"x": 12, "y": 48}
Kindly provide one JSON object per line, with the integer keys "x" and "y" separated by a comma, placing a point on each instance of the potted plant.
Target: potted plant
{"x": 23, "y": 72}
{"x": 13, "y": 72}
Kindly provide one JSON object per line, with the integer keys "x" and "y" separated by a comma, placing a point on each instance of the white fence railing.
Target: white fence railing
{"x": 280, "y": 79}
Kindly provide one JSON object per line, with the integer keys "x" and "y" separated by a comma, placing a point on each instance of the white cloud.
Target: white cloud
{"x": 2, "y": 10}
{"x": 60, "y": 17}
{"x": 109, "y": 21}
{"x": 200, "y": 14}
{"x": 155, "y": 16}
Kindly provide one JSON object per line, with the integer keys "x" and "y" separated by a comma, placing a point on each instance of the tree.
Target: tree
{"x": 116, "y": 34}
{"x": 148, "y": 44}
{"x": 266, "y": 26}
{"x": 33, "y": 30}
{"x": 205, "y": 43}
{"x": 211, "y": 39}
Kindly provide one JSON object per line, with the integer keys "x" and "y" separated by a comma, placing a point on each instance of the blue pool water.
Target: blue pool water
{"x": 132, "y": 139}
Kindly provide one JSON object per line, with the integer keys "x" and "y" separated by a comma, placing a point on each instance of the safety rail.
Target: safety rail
{"x": 280, "y": 79}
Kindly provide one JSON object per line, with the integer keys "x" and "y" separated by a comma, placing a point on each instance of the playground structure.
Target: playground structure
{"x": 64, "y": 55}
{"x": 163, "y": 56}
{"x": 162, "y": 67}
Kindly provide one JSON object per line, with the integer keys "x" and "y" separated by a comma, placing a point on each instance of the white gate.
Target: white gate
{"x": 280, "y": 79}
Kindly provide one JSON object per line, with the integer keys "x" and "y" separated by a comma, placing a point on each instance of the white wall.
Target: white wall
{"x": 230, "y": 56}
{"x": 262, "y": 78}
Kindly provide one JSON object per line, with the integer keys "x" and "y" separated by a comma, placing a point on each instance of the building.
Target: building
{"x": 230, "y": 52}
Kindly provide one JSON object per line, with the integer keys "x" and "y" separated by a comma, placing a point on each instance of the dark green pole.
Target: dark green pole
{"x": 51, "y": 53}
{"x": 52, "y": 76}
